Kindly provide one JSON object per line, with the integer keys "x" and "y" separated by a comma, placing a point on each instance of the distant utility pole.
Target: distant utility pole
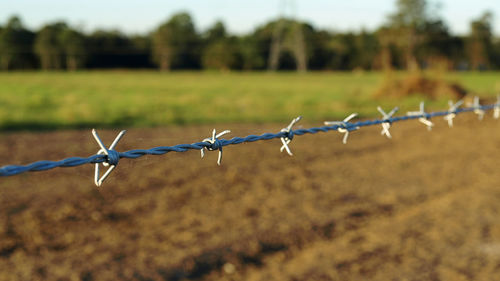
{"x": 295, "y": 42}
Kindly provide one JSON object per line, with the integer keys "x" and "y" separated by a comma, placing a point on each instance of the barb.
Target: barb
{"x": 423, "y": 116}
{"x": 110, "y": 157}
{"x": 496, "y": 110}
{"x": 288, "y": 136}
{"x": 478, "y": 109}
{"x": 452, "y": 112}
{"x": 215, "y": 144}
{"x": 387, "y": 121}
{"x": 344, "y": 126}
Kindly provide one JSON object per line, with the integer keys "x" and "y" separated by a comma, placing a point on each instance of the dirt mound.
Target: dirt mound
{"x": 418, "y": 84}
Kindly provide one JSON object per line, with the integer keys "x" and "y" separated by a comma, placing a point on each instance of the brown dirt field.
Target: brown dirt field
{"x": 422, "y": 206}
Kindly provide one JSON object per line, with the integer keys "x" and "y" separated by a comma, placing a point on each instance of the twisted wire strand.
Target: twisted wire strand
{"x": 43, "y": 165}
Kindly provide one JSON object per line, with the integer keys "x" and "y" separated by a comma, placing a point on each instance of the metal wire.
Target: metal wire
{"x": 110, "y": 157}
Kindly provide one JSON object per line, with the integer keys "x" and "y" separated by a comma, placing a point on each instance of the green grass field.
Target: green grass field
{"x": 50, "y": 100}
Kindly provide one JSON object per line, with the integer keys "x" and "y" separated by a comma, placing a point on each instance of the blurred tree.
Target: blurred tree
{"x": 319, "y": 51}
{"x": 495, "y": 60}
{"x": 215, "y": 33}
{"x": 344, "y": 51}
{"x": 480, "y": 41}
{"x": 73, "y": 46}
{"x": 438, "y": 48}
{"x": 220, "y": 51}
{"x": 367, "y": 47}
{"x": 405, "y": 28}
{"x": 16, "y": 45}
{"x": 220, "y": 55}
{"x": 384, "y": 60}
{"x": 260, "y": 41}
{"x": 176, "y": 43}
{"x": 113, "y": 49}
{"x": 141, "y": 42}
{"x": 48, "y": 45}
{"x": 141, "y": 56}
{"x": 250, "y": 54}
{"x": 1, "y": 32}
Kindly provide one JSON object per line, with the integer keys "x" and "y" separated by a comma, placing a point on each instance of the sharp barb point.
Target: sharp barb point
{"x": 98, "y": 180}
{"x": 212, "y": 141}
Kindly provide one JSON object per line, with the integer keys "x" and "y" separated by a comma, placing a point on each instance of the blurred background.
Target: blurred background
{"x": 225, "y": 53}
{"x": 225, "y": 35}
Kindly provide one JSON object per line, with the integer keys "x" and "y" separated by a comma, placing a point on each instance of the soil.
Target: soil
{"x": 422, "y": 206}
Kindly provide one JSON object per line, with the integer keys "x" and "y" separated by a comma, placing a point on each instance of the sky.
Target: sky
{"x": 141, "y": 16}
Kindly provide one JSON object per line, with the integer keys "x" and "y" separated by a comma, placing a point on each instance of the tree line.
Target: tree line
{"x": 413, "y": 36}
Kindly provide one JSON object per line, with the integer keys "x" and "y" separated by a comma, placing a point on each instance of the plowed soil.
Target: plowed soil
{"x": 422, "y": 206}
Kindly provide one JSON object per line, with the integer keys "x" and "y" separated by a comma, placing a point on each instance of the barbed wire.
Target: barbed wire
{"x": 110, "y": 157}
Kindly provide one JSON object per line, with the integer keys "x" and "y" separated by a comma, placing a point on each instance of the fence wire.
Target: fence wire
{"x": 110, "y": 157}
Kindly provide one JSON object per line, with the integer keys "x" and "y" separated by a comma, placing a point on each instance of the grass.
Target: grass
{"x": 52, "y": 100}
